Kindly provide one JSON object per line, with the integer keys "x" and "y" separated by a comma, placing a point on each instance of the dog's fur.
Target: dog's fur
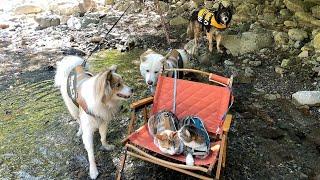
{"x": 99, "y": 97}
{"x": 222, "y": 16}
{"x": 152, "y": 64}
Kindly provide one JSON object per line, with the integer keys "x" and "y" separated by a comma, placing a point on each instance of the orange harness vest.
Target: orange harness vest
{"x": 207, "y": 19}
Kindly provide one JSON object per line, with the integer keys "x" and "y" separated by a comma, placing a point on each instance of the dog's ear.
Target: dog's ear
{"x": 163, "y": 60}
{"x": 114, "y": 68}
{"x": 143, "y": 59}
{"x": 103, "y": 81}
{"x": 220, "y": 6}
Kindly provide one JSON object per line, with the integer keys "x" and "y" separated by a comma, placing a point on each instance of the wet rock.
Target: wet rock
{"x": 316, "y": 42}
{"x": 3, "y": 26}
{"x": 46, "y": 21}
{"x": 295, "y": 5}
{"x": 297, "y": 34}
{"x": 27, "y": 9}
{"x": 303, "y": 54}
{"x": 247, "y": 42}
{"x": 74, "y": 23}
{"x": 309, "y": 98}
{"x": 316, "y": 11}
{"x": 281, "y": 38}
{"x": 178, "y": 21}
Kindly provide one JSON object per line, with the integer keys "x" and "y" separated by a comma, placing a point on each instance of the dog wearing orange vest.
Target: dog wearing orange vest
{"x": 92, "y": 100}
{"x": 210, "y": 22}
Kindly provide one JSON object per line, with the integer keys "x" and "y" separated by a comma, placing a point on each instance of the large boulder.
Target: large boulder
{"x": 295, "y": 5}
{"x": 28, "y": 9}
{"x": 297, "y": 34}
{"x": 247, "y": 42}
{"x": 45, "y": 21}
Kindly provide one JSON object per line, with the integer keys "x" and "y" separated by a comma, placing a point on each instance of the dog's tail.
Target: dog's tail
{"x": 64, "y": 67}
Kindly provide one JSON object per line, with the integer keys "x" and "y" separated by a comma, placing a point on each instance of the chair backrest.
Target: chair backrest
{"x": 209, "y": 102}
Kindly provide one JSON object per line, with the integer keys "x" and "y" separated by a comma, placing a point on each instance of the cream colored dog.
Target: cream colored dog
{"x": 92, "y": 100}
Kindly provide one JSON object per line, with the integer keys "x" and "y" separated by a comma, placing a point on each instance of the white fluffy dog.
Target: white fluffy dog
{"x": 92, "y": 100}
{"x": 153, "y": 63}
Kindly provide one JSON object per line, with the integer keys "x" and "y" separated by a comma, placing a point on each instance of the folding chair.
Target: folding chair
{"x": 209, "y": 102}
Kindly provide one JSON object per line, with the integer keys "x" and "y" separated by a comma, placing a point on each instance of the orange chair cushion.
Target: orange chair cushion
{"x": 209, "y": 102}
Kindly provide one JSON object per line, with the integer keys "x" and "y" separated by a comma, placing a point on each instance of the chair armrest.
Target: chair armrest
{"x": 142, "y": 102}
{"x": 227, "y": 122}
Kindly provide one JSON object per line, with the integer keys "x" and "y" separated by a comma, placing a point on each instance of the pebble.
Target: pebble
{"x": 285, "y": 63}
{"x": 248, "y": 72}
{"x": 303, "y": 54}
{"x": 255, "y": 63}
{"x": 228, "y": 63}
{"x": 279, "y": 70}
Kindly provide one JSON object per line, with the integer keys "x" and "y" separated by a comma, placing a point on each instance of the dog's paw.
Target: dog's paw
{"x": 93, "y": 173}
{"x": 220, "y": 51}
{"x": 107, "y": 147}
{"x": 189, "y": 160}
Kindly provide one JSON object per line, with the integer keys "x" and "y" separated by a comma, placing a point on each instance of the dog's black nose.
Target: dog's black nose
{"x": 149, "y": 83}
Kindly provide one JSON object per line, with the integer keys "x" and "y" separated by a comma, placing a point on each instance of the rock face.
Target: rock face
{"x": 309, "y": 98}
{"x": 27, "y": 9}
{"x": 297, "y": 34}
{"x": 247, "y": 42}
{"x": 45, "y": 21}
